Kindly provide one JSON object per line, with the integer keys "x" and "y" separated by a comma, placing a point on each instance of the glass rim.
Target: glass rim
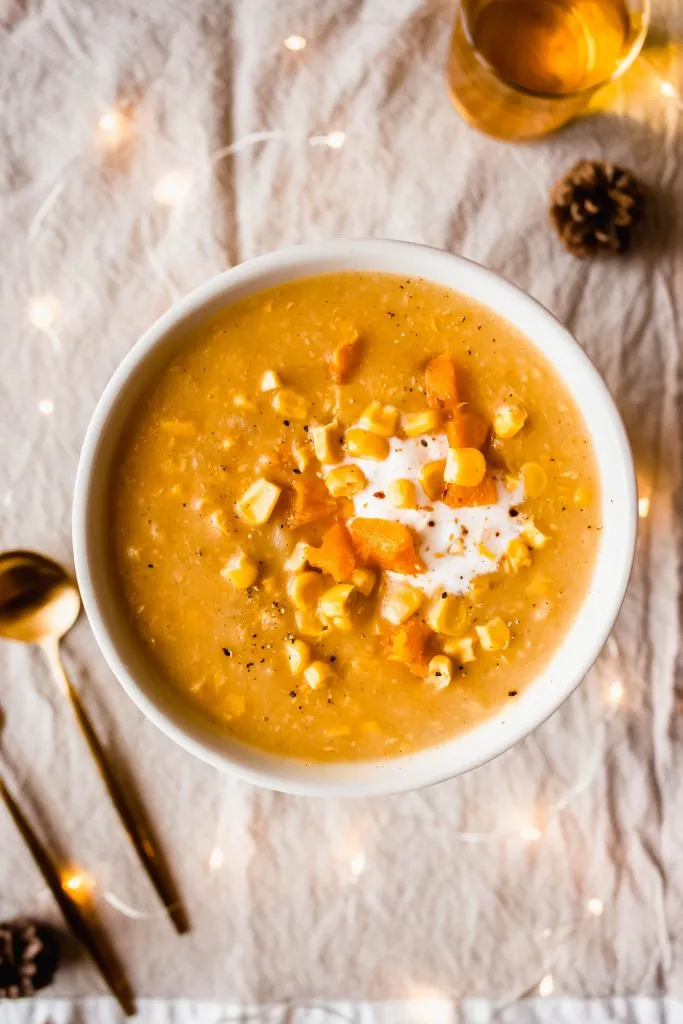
{"x": 623, "y": 65}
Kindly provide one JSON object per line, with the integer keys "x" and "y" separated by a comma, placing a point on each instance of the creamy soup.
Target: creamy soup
{"x": 354, "y": 516}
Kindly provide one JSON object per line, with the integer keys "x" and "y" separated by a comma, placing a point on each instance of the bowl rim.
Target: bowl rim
{"x": 467, "y": 750}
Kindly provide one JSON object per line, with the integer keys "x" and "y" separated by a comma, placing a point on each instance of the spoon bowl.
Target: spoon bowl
{"x": 38, "y": 599}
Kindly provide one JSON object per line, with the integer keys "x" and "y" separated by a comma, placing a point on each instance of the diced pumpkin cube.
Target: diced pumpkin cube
{"x": 312, "y": 502}
{"x": 440, "y": 382}
{"x": 335, "y": 555}
{"x": 258, "y": 501}
{"x": 303, "y": 456}
{"x": 484, "y": 493}
{"x": 466, "y": 429}
{"x": 345, "y": 359}
{"x": 389, "y": 545}
{"x": 409, "y": 645}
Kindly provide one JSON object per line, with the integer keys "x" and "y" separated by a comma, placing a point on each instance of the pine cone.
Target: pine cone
{"x": 29, "y": 956}
{"x": 595, "y": 207}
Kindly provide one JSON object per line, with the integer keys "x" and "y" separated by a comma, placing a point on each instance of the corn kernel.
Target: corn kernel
{"x": 258, "y": 501}
{"x": 416, "y": 423}
{"x": 218, "y": 521}
{"x": 345, "y": 481}
{"x": 335, "y": 605}
{"x": 380, "y": 419}
{"x": 298, "y": 655}
{"x": 179, "y": 428}
{"x": 303, "y": 456}
{"x": 317, "y": 673}
{"x": 439, "y": 672}
{"x": 480, "y": 585}
{"x": 363, "y": 444}
{"x": 431, "y": 479}
{"x": 448, "y": 615}
{"x": 402, "y": 493}
{"x": 461, "y": 649}
{"x": 517, "y": 555}
{"x": 540, "y": 586}
{"x": 533, "y": 536}
{"x": 535, "y": 479}
{"x": 308, "y": 624}
{"x": 240, "y": 401}
{"x": 508, "y": 420}
{"x": 583, "y": 495}
{"x": 465, "y": 467}
{"x": 326, "y": 443}
{"x": 304, "y": 589}
{"x": 270, "y": 381}
{"x": 364, "y": 580}
{"x": 401, "y": 602}
{"x": 494, "y": 636}
{"x": 298, "y": 560}
{"x": 240, "y": 570}
{"x": 288, "y": 403}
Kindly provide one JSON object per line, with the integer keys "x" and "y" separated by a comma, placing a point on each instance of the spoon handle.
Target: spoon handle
{"x": 83, "y": 927}
{"x": 138, "y": 834}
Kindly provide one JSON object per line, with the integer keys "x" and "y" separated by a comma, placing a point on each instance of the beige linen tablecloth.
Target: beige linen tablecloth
{"x": 442, "y": 894}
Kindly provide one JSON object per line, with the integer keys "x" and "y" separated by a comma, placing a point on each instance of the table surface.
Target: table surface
{"x": 431, "y": 893}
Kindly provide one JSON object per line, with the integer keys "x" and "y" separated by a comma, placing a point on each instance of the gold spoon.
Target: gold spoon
{"x": 39, "y": 603}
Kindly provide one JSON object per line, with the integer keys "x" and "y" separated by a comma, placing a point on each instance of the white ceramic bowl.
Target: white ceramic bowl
{"x": 542, "y": 697}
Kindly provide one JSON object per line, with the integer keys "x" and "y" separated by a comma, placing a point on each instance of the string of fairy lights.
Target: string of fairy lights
{"x": 115, "y": 128}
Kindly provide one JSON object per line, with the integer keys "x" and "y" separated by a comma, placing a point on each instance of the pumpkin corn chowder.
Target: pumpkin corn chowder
{"x": 354, "y": 516}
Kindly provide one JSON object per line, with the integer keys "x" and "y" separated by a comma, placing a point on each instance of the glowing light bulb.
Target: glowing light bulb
{"x": 335, "y": 140}
{"x": 295, "y": 43}
{"x": 531, "y": 834}
{"x": 643, "y": 507}
{"x": 357, "y": 864}
{"x": 217, "y": 859}
{"x": 77, "y": 883}
{"x": 46, "y": 406}
{"x": 42, "y": 311}
{"x": 667, "y": 89}
{"x": 114, "y": 127}
{"x": 547, "y": 986}
{"x": 616, "y": 692}
{"x": 172, "y": 188}
{"x": 595, "y": 907}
